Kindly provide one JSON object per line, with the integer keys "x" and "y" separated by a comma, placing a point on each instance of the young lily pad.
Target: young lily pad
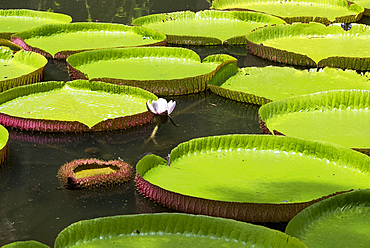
{"x": 208, "y": 27}
{"x": 256, "y": 178}
{"x": 74, "y": 106}
{"x": 61, "y": 40}
{"x": 324, "y": 11}
{"x": 313, "y": 44}
{"x": 339, "y": 221}
{"x": 338, "y": 116}
{"x": 260, "y": 85}
{"x": 161, "y": 70}
{"x": 18, "y": 20}
{"x": 4, "y": 136}
{"x": 94, "y": 173}
{"x": 20, "y": 68}
{"x": 170, "y": 230}
{"x": 8, "y": 45}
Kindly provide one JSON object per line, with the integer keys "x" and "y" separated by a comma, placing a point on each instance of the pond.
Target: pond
{"x": 32, "y": 203}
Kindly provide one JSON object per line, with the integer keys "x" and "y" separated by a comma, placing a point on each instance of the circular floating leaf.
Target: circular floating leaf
{"x": 74, "y": 106}
{"x": 324, "y": 11}
{"x": 61, "y": 40}
{"x": 338, "y": 116}
{"x": 339, "y": 221}
{"x": 260, "y": 85}
{"x": 313, "y": 44}
{"x": 4, "y": 136}
{"x": 18, "y": 20}
{"x": 170, "y": 230}
{"x": 26, "y": 244}
{"x": 94, "y": 173}
{"x": 365, "y": 4}
{"x": 208, "y": 27}
{"x": 20, "y": 68}
{"x": 161, "y": 70}
{"x": 256, "y": 178}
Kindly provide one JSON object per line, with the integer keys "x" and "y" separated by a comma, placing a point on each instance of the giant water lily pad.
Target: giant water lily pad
{"x": 170, "y": 230}
{"x": 161, "y": 70}
{"x": 74, "y": 106}
{"x": 4, "y": 136}
{"x": 365, "y": 4}
{"x": 206, "y": 27}
{"x": 61, "y": 40}
{"x": 260, "y": 85}
{"x": 313, "y": 44}
{"x": 18, "y": 20}
{"x": 26, "y": 244}
{"x": 339, "y": 116}
{"x": 20, "y": 68}
{"x": 324, "y": 11}
{"x": 257, "y": 178}
{"x": 340, "y": 221}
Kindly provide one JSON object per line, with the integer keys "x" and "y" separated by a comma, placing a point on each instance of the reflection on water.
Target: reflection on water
{"x": 32, "y": 203}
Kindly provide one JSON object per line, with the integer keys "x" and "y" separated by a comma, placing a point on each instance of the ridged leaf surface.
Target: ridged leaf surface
{"x": 298, "y": 43}
{"x": 188, "y": 27}
{"x": 338, "y": 116}
{"x": 303, "y": 10}
{"x": 55, "y": 38}
{"x": 86, "y": 102}
{"x": 339, "y": 221}
{"x": 257, "y": 169}
{"x": 259, "y": 85}
{"x": 170, "y": 230}
{"x": 20, "y": 68}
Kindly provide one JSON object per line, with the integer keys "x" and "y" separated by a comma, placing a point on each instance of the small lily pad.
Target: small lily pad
{"x": 339, "y": 221}
{"x": 208, "y": 27}
{"x": 313, "y": 45}
{"x": 20, "y": 68}
{"x": 255, "y": 178}
{"x": 338, "y": 116}
{"x": 324, "y": 11}
{"x": 18, "y": 20}
{"x": 4, "y": 136}
{"x": 74, "y": 106}
{"x": 161, "y": 70}
{"x": 26, "y": 244}
{"x": 260, "y": 85}
{"x": 61, "y": 40}
{"x": 94, "y": 173}
{"x": 170, "y": 230}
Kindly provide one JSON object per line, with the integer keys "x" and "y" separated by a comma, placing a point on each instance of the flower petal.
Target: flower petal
{"x": 150, "y": 107}
{"x": 160, "y": 105}
{"x": 171, "y": 106}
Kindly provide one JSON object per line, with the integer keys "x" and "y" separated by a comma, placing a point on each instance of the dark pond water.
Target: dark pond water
{"x": 32, "y": 205}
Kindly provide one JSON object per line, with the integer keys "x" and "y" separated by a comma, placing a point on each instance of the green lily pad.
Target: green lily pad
{"x": 324, "y": 11}
{"x": 170, "y": 230}
{"x": 338, "y": 116}
{"x": 255, "y": 178}
{"x": 20, "y": 68}
{"x": 61, "y": 40}
{"x": 161, "y": 70}
{"x": 18, "y": 20}
{"x": 208, "y": 27}
{"x": 313, "y": 44}
{"x": 26, "y": 244}
{"x": 4, "y": 136}
{"x": 365, "y": 4}
{"x": 74, "y": 106}
{"x": 260, "y": 85}
{"x": 340, "y": 221}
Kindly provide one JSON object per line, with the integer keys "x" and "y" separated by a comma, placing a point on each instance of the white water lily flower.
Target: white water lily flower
{"x": 161, "y": 106}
